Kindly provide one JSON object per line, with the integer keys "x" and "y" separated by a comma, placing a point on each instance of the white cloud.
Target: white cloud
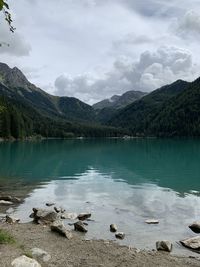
{"x": 153, "y": 70}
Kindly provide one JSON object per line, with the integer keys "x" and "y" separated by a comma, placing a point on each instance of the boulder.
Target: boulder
{"x": 59, "y": 227}
{"x": 5, "y": 202}
{"x": 120, "y": 235}
{"x": 84, "y": 216}
{"x": 192, "y": 243}
{"x": 68, "y": 216}
{"x": 25, "y": 261}
{"x": 152, "y": 221}
{"x": 195, "y": 227}
{"x": 40, "y": 254}
{"x": 113, "y": 228}
{"x": 42, "y": 216}
{"x": 164, "y": 245}
{"x": 79, "y": 226}
{"x": 11, "y": 220}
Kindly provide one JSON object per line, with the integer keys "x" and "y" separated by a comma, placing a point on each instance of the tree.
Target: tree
{"x": 4, "y": 7}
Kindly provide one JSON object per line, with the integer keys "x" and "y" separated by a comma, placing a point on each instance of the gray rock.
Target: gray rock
{"x": 11, "y": 220}
{"x": 24, "y": 261}
{"x": 69, "y": 216}
{"x": 79, "y": 226}
{"x": 192, "y": 243}
{"x": 49, "y": 204}
{"x": 11, "y": 199}
{"x": 59, "y": 227}
{"x": 58, "y": 210}
{"x": 120, "y": 235}
{"x": 42, "y": 216}
{"x": 164, "y": 245}
{"x": 40, "y": 254}
{"x": 195, "y": 227}
{"x": 84, "y": 216}
{"x": 113, "y": 228}
{"x": 5, "y": 202}
{"x": 152, "y": 221}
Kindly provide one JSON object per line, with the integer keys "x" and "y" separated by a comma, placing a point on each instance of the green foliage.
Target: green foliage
{"x": 5, "y": 8}
{"x": 6, "y": 238}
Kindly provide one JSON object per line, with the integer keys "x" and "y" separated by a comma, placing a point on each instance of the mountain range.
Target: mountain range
{"x": 26, "y": 110}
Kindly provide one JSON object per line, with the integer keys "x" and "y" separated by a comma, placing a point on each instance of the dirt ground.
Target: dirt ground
{"x": 78, "y": 252}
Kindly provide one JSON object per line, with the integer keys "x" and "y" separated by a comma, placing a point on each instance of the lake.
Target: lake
{"x": 120, "y": 181}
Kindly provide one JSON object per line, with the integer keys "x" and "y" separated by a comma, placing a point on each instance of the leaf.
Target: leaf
{"x": 1, "y": 4}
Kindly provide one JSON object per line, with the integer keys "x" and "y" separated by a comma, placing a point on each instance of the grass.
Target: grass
{"x": 6, "y": 238}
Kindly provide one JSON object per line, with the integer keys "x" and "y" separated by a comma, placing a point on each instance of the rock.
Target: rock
{"x": 25, "y": 261}
{"x": 44, "y": 216}
{"x": 164, "y": 245}
{"x": 152, "y": 221}
{"x": 11, "y": 199}
{"x": 192, "y": 243}
{"x": 59, "y": 227}
{"x": 195, "y": 227}
{"x": 79, "y": 226}
{"x": 68, "y": 216}
{"x": 49, "y": 204}
{"x": 120, "y": 235}
{"x": 40, "y": 254}
{"x": 113, "y": 228}
{"x": 57, "y": 209}
{"x": 11, "y": 220}
{"x": 5, "y": 202}
{"x": 84, "y": 216}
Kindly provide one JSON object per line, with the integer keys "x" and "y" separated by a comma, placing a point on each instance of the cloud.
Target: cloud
{"x": 13, "y": 43}
{"x": 153, "y": 70}
{"x": 188, "y": 25}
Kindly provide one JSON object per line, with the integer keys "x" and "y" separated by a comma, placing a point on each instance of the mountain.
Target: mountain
{"x": 118, "y": 101}
{"x": 26, "y": 110}
{"x": 13, "y": 84}
{"x": 139, "y": 116}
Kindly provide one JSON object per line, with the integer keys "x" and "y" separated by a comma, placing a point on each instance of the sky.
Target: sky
{"x": 93, "y": 49}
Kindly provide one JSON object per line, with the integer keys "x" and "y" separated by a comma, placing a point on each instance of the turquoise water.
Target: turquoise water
{"x": 119, "y": 181}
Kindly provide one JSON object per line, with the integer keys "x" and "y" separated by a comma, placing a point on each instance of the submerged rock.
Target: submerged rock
{"x": 192, "y": 243}
{"x": 5, "y": 202}
{"x": 11, "y": 199}
{"x": 11, "y": 219}
{"x": 49, "y": 204}
{"x": 25, "y": 261}
{"x": 164, "y": 245}
{"x": 195, "y": 227}
{"x": 42, "y": 216}
{"x": 120, "y": 235}
{"x": 113, "y": 228}
{"x": 40, "y": 254}
{"x": 84, "y": 216}
{"x": 152, "y": 221}
{"x": 59, "y": 227}
{"x": 79, "y": 226}
{"x": 68, "y": 216}
{"x": 58, "y": 210}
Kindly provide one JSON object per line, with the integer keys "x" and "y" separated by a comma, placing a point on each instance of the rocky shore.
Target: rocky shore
{"x": 49, "y": 241}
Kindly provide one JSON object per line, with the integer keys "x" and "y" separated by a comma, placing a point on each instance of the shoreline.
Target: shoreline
{"x": 80, "y": 252}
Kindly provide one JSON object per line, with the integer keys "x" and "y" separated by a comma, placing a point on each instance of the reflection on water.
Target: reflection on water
{"x": 122, "y": 182}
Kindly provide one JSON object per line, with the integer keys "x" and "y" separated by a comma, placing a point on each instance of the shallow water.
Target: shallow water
{"x": 119, "y": 181}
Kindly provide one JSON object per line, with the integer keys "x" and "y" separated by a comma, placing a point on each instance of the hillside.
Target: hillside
{"x": 138, "y": 116}
{"x": 13, "y": 84}
{"x": 117, "y": 102}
